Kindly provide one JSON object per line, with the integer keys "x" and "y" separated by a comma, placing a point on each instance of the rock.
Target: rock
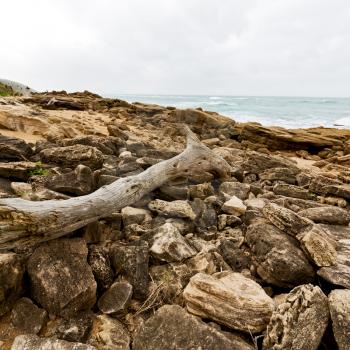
{"x": 72, "y": 156}
{"x": 109, "y": 334}
{"x": 11, "y": 274}
{"x": 339, "y": 306}
{"x": 131, "y": 261}
{"x": 234, "y": 206}
{"x": 201, "y": 191}
{"x": 76, "y": 328}
{"x": 299, "y": 323}
{"x": 287, "y": 175}
{"x": 327, "y": 215}
{"x": 25, "y": 191}
{"x": 33, "y": 342}
{"x": 256, "y": 163}
{"x": 285, "y": 219}
{"x": 238, "y": 189}
{"x": 17, "y": 170}
{"x": 116, "y": 299}
{"x": 277, "y": 138}
{"x": 234, "y": 255}
{"x": 326, "y": 186}
{"x": 100, "y": 264}
{"x": 27, "y": 316}
{"x": 279, "y": 260}
{"x": 132, "y": 215}
{"x": 174, "y": 192}
{"x": 12, "y": 148}
{"x": 318, "y": 246}
{"x": 293, "y": 191}
{"x": 228, "y": 220}
{"x": 178, "y": 209}
{"x": 171, "y": 327}
{"x": 61, "y": 280}
{"x": 339, "y": 273}
{"x": 230, "y": 299}
{"x": 107, "y": 145}
{"x": 78, "y": 182}
{"x": 167, "y": 244}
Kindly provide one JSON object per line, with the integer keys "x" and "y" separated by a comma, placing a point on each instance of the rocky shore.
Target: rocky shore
{"x": 259, "y": 260}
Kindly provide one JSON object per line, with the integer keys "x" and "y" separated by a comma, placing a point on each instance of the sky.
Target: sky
{"x": 220, "y": 47}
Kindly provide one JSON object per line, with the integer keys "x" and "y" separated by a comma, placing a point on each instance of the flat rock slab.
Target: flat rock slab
{"x": 234, "y": 206}
{"x": 339, "y": 306}
{"x": 327, "y": 215}
{"x": 299, "y": 322}
{"x": 33, "y": 342}
{"x": 171, "y": 327}
{"x": 61, "y": 279}
{"x": 12, "y": 148}
{"x": 230, "y": 299}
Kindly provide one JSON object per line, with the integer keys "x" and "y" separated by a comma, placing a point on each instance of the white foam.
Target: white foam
{"x": 343, "y": 122}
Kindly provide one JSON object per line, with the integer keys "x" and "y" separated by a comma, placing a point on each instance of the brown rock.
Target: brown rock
{"x": 61, "y": 280}
{"x": 298, "y": 323}
{"x": 327, "y": 215}
{"x": 230, "y": 299}
{"x": 171, "y": 327}
{"x": 12, "y": 148}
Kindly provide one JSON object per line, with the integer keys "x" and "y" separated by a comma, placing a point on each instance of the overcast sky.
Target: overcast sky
{"x": 229, "y": 47}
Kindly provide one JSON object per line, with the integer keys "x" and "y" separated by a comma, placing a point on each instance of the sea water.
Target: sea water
{"x": 289, "y": 112}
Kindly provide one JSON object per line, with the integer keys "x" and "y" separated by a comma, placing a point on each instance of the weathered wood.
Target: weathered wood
{"x": 24, "y": 222}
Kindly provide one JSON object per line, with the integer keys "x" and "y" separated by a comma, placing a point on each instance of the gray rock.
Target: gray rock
{"x": 285, "y": 219}
{"x": 230, "y": 299}
{"x": 11, "y": 275}
{"x": 326, "y": 186}
{"x": 72, "y": 156}
{"x": 27, "y": 316}
{"x": 327, "y": 215}
{"x": 238, "y": 189}
{"x": 171, "y": 327}
{"x": 12, "y": 148}
{"x": 318, "y": 246}
{"x": 234, "y": 206}
{"x": 293, "y": 191}
{"x": 61, "y": 280}
{"x": 169, "y": 245}
{"x": 116, "y": 299}
{"x": 79, "y": 181}
{"x": 339, "y": 306}
{"x": 132, "y": 215}
{"x": 279, "y": 260}
{"x": 99, "y": 261}
{"x": 287, "y": 175}
{"x": 17, "y": 170}
{"x": 76, "y": 328}
{"x": 109, "y": 334}
{"x": 298, "y": 323}
{"x": 178, "y": 209}
{"x": 33, "y": 342}
{"x": 131, "y": 262}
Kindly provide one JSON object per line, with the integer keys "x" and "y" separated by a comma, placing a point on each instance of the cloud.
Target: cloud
{"x": 251, "y": 47}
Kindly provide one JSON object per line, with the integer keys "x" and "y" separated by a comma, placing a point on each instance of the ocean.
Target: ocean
{"x": 289, "y": 112}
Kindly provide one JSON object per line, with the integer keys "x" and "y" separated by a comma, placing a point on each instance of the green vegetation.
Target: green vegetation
{"x": 6, "y": 90}
{"x": 39, "y": 170}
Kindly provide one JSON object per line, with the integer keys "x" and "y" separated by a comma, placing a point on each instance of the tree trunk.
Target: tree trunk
{"x": 24, "y": 222}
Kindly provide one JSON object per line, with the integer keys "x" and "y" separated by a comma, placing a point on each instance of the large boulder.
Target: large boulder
{"x": 72, "y": 156}
{"x": 171, "y": 327}
{"x": 339, "y": 306}
{"x": 299, "y": 322}
{"x": 61, "y": 279}
{"x": 279, "y": 259}
{"x": 230, "y": 299}
{"x": 11, "y": 274}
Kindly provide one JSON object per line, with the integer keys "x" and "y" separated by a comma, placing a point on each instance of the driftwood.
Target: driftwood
{"x": 24, "y": 222}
